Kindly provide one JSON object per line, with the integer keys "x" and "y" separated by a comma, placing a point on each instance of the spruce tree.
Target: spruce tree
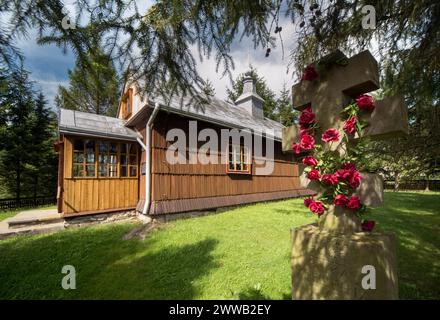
{"x": 93, "y": 85}
{"x": 43, "y": 162}
{"x": 286, "y": 114}
{"x": 16, "y": 100}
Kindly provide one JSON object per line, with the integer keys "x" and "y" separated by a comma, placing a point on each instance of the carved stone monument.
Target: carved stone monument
{"x": 331, "y": 259}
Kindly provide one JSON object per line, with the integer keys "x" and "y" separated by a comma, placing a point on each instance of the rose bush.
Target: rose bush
{"x": 337, "y": 174}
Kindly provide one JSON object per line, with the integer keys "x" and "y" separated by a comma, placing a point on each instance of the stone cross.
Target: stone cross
{"x": 344, "y": 79}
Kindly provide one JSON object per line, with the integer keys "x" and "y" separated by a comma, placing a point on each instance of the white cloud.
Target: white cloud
{"x": 272, "y": 68}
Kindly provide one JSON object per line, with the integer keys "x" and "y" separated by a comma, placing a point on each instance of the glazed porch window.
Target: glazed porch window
{"x": 238, "y": 159}
{"x": 84, "y": 158}
{"x": 108, "y": 159}
{"x": 128, "y": 158}
{"x": 104, "y": 159}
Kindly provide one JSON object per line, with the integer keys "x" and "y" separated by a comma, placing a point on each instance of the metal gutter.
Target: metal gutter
{"x": 81, "y": 132}
{"x": 147, "y": 148}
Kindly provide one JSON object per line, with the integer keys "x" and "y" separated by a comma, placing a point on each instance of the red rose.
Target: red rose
{"x": 340, "y": 200}
{"x": 350, "y": 125}
{"x": 330, "y": 135}
{"x": 355, "y": 179}
{"x": 317, "y": 207}
{"x": 304, "y": 131}
{"x": 307, "y": 117}
{"x": 349, "y": 166}
{"x": 354, "y": 203}
{"x": 310, "y": 161}
{"x": 368, "y": 225}
{"x": 365, "y": 102}
{"x": 308, "y": 202}
{"x": 330, "y": 179}
{"x": 314, "y": 175}
{"x": 343, "y": 174}
{"x": 310, "y": 73}
{"x": 296, "y": 148}
{"x": 307, "y": 142}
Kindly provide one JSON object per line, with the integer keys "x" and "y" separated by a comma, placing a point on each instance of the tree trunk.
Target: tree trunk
{"x": 427, "y": 184}
{"x": 396, "y": 181}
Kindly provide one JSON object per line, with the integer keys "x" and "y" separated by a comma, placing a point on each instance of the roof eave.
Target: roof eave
{"x": 94, "y": 134}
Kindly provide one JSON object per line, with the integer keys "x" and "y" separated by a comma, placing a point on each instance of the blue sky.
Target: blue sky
{"x": 49, "y": 65}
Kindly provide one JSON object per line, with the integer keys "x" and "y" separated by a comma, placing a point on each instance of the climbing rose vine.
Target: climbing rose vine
{"x": 338, "y": 175}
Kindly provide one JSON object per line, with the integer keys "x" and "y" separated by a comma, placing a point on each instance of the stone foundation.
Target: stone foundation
{"x": 120, "y": 216}
{"x": 328, "y": 265}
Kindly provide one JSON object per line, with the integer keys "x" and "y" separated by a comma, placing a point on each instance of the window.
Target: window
{"x": 84, "y": 158}
{"x": 108, "y": 159}
{"x": 238, "y": 159}
{"x": 127, "y": 103}
{"x": 128, "y": 158}
{"x": 104, "y": 159}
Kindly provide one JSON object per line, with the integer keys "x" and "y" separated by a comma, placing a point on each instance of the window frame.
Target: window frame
{"x": 248, "y": 170}
{"x": 127, "y": 108}
{"x": 128, "y": 165}
{"x": 84, "y": 163}
{"x": 107, "y": 163}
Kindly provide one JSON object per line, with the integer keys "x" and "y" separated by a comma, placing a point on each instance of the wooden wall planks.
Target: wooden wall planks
{"x": 95, "y": 194}
{"x": 189, "y": 181}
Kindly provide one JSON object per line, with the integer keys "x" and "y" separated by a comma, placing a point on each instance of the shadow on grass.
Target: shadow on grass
{"x": 106, "y": 266}
{"x": 415, "y": 219}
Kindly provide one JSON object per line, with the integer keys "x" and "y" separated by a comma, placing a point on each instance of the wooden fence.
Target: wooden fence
{"x": 434, "y": 185}
{"x": 13, "y": 203}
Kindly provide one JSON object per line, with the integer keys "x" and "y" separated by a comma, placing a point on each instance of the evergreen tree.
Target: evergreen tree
{"x": 43, "y": 163}
{"x": 269, "y": 106}
{"x": 93, "y": 85}
{"x": 286, "y": 114}
{"x": 16, "y": 139}
{"x": 28, "y": 163}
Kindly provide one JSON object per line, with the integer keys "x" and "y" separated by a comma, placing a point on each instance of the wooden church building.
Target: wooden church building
{"x": 117, "y": 164}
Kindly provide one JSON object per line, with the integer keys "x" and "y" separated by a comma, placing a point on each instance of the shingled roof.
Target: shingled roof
{"x": 217, "y": 112}
{"x": 90, "y": 124}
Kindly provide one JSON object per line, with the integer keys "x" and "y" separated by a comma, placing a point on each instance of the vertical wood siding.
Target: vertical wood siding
{"x": 188, "y": 181}
{"x": 95, "y": 194}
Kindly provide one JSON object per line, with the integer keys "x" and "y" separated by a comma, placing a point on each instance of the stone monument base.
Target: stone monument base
{"x": 328, "y": 265}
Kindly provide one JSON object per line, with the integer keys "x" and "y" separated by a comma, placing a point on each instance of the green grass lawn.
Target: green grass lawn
{"x": 239, "y": 254}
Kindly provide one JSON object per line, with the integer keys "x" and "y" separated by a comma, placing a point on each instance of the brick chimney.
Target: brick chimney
{"x": 249, "y": 99}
